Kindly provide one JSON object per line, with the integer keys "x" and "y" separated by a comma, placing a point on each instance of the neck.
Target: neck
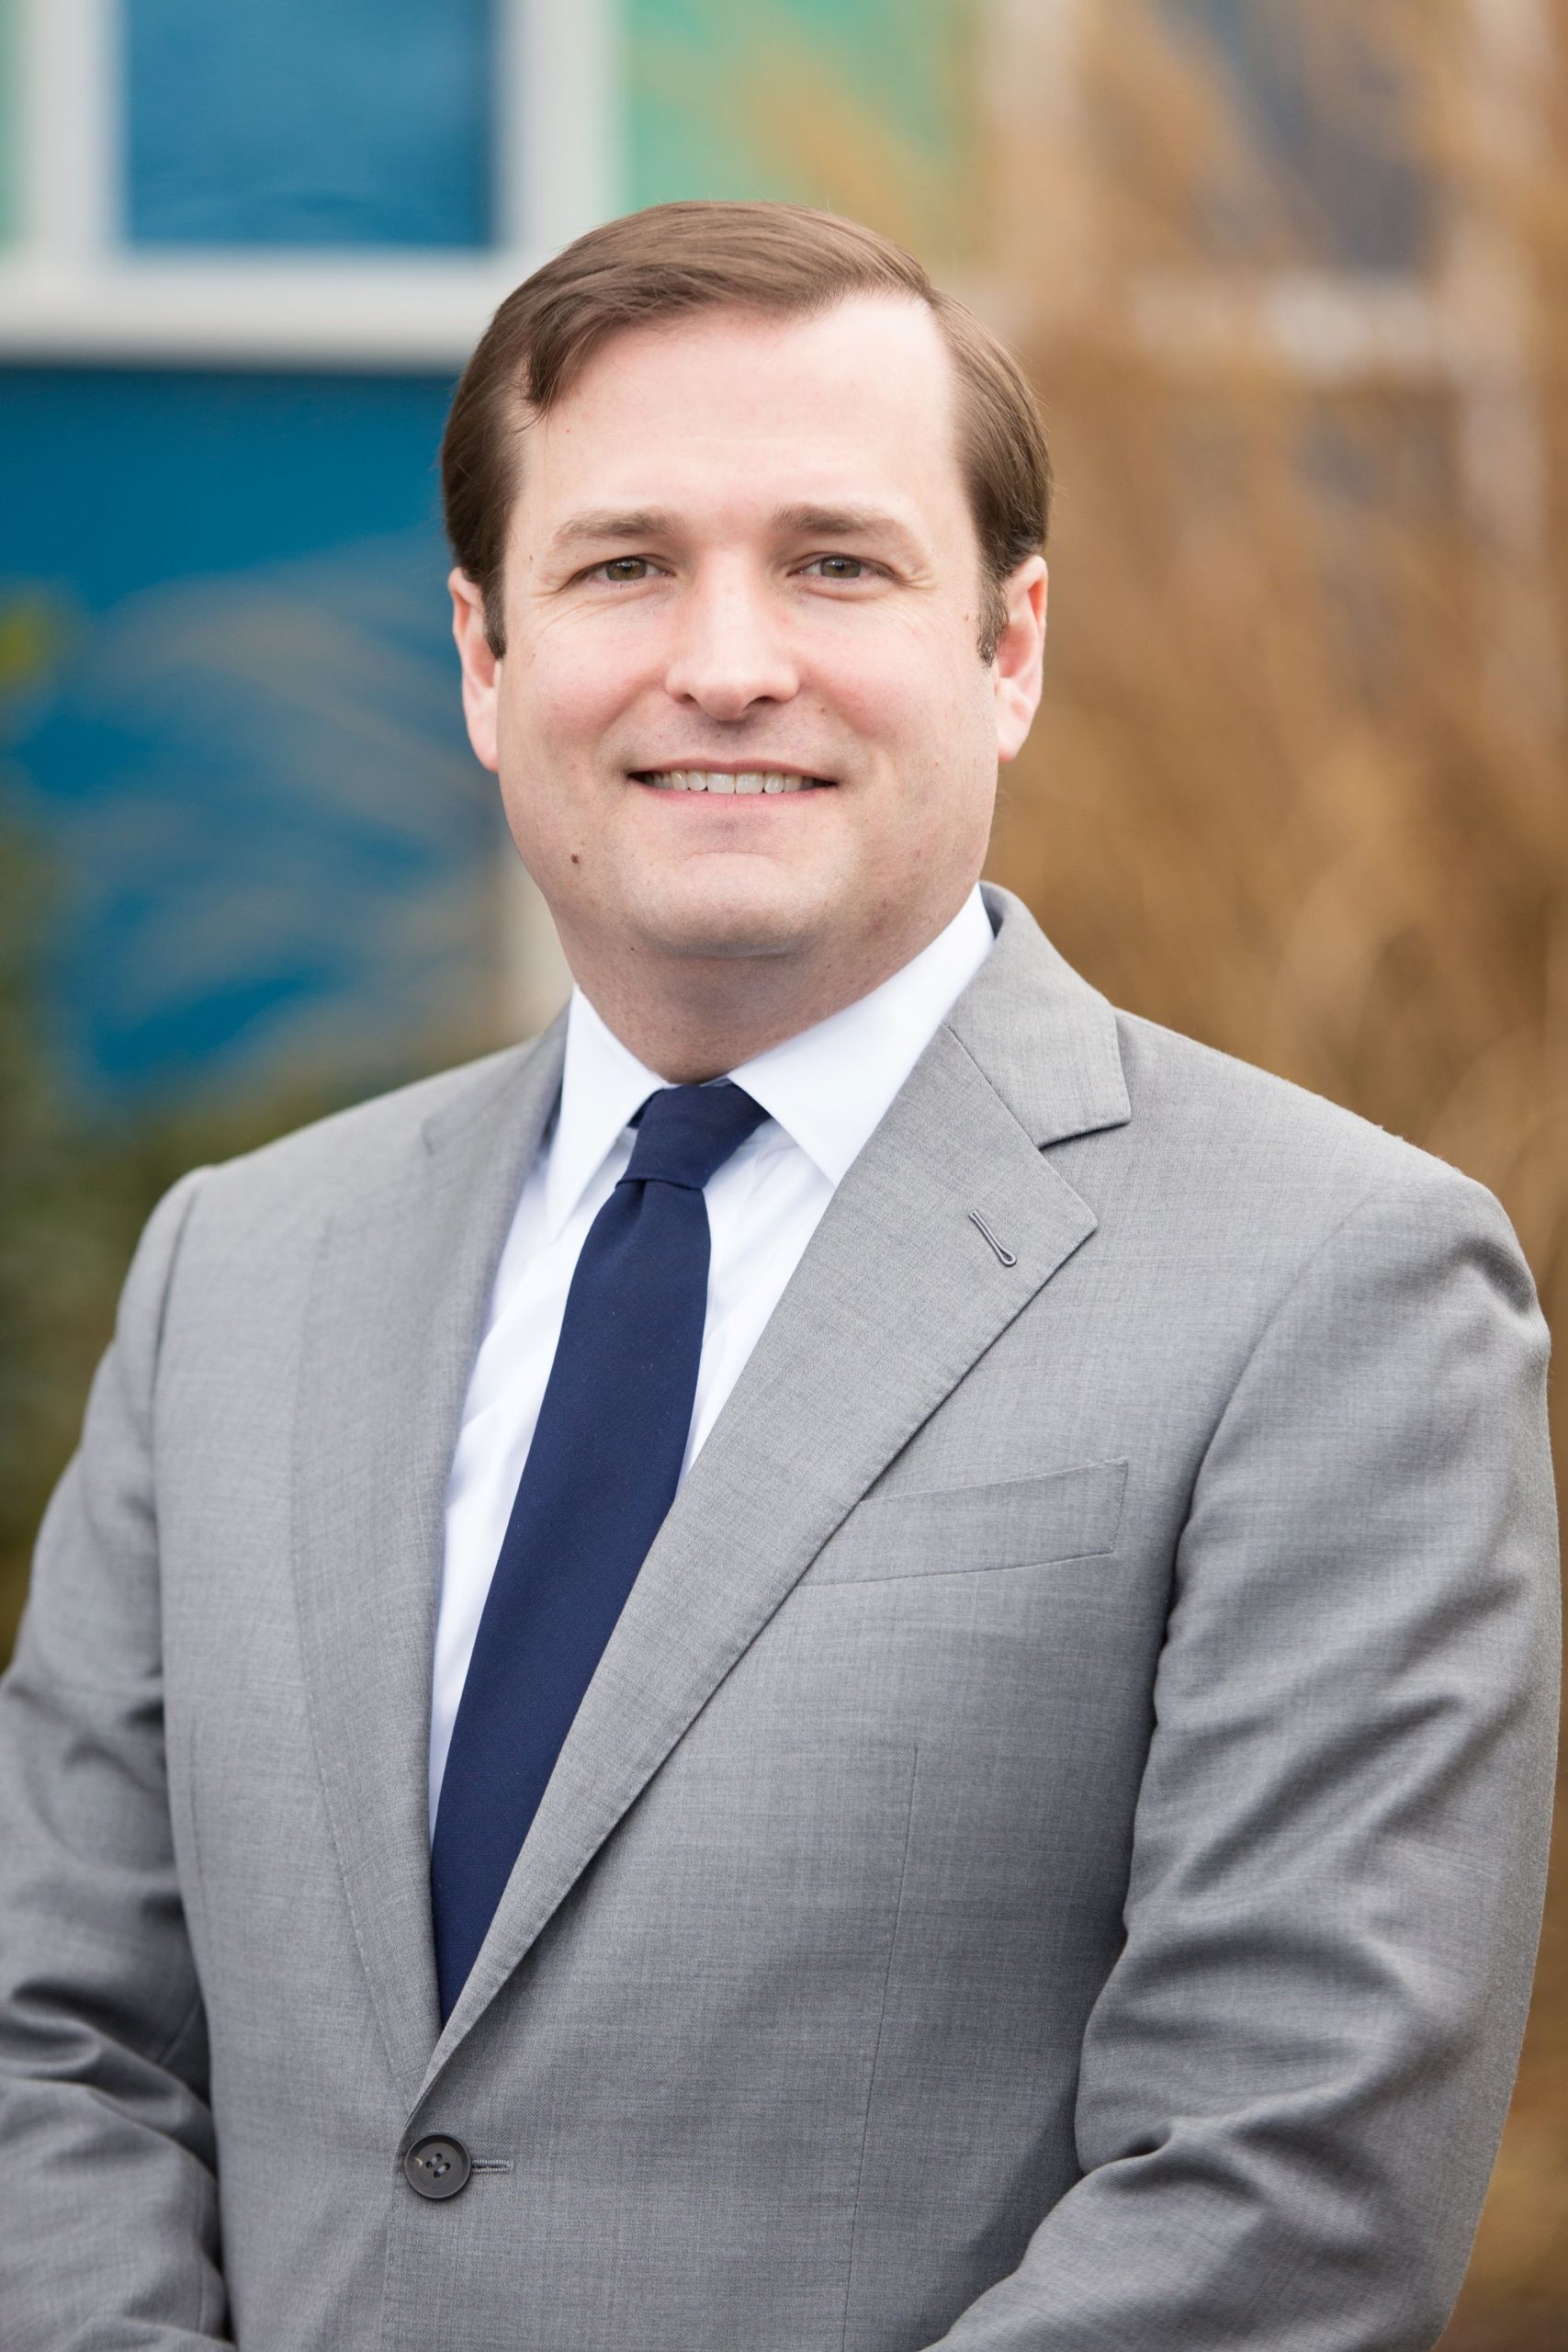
{"x": 689, "y": 1019}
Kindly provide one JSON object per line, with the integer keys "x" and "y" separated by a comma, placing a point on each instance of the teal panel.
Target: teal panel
{"x": 285, "y": 123}
{"x": 864, "y": 106}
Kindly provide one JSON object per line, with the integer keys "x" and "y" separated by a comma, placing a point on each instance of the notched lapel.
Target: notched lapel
{"x": 402, "y": 1282}
{"x": 896, "y": 1296}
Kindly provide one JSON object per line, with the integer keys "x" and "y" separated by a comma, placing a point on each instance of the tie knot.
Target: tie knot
{"x": 686, "y": 1133}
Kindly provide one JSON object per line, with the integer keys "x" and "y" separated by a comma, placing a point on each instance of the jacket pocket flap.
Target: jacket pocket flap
{"x": 1013, "y": 1523}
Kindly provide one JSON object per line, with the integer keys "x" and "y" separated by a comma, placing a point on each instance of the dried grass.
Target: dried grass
{"x": 1298, "y": 787}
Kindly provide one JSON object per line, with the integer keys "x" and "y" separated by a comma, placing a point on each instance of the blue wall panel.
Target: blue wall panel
{"x": 289, "y": 122}
{"x": 242, "y": 750}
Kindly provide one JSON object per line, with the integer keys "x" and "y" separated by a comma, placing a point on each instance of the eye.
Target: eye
{"x": 838, "y": 567}
{"x": 622, "y": 568}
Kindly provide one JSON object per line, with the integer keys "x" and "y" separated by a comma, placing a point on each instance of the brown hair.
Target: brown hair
{"x": 693, "y": 256}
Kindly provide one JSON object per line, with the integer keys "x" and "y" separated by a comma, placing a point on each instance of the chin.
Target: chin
{"x": 728, "y": 924}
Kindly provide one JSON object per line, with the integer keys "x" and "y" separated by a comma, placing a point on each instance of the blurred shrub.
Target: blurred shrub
{"x": 73, "y": 1197}
{"x": 1298, "y": 787}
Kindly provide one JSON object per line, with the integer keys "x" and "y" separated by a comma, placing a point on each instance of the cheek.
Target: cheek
{"x": 558, "y": 694}
{"x": 897, "y": 684}
{"x": 937, "y": 735}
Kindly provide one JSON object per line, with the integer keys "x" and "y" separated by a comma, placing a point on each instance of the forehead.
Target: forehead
{"x": 730, "y": 410}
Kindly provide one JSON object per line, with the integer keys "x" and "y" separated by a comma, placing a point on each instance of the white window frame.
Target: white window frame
{"x": 72, "y": 288}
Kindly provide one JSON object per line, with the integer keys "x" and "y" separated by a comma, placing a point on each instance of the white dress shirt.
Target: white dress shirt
{"x": 824, "y": 1092}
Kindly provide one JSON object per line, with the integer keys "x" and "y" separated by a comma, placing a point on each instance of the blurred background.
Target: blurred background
{"x": 1291, "y": 276}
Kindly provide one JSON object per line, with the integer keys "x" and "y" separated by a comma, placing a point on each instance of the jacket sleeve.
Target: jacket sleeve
{"x": 108, "y": 2210}
{"x": 1295, "y": 2078}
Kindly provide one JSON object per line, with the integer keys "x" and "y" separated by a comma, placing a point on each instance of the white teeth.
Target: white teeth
{"x": 715, "y": 780}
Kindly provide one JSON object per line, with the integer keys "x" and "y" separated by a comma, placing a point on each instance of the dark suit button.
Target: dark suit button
{"x": 437, "y": 2167}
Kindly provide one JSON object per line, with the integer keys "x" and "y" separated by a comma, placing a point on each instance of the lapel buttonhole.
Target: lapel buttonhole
{"x": 1005, "y": 1256}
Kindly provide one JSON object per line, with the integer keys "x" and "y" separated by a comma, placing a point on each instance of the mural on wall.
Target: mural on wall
{"x": 241, "y": 746}
{"x": 866, "y": 107}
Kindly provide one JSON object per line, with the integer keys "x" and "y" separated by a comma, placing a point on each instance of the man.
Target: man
{"x": 856, "y": 1655}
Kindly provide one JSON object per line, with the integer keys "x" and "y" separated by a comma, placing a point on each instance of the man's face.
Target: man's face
{"x": 741, "y": 558}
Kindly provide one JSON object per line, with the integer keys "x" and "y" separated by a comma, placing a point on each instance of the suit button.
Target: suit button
{"x": 437, "y": 2167}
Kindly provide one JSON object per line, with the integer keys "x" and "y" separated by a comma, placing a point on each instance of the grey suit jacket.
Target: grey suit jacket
{"x": 1050, "y": 1860}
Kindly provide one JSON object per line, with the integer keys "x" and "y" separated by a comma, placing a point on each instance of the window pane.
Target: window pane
{"x": 1327, "y": 107}
{"x": 289, "y": 122}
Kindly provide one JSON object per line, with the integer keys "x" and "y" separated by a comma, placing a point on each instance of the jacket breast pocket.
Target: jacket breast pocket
{"x": 1011, "y": 1523}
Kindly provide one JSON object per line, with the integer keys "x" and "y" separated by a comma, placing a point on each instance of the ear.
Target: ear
{"x": 481, "y": 669}
{"x": 1018, "y": 671}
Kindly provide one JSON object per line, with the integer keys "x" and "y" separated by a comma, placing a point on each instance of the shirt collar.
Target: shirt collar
{"x": 832, "y": 1085}
{"x": 827, "y": 1088}
{"x": 603, "y": 1085}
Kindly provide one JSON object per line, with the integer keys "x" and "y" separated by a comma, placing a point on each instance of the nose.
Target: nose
{"x": 729, "y": 652}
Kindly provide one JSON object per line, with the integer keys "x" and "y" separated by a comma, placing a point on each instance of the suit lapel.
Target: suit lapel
{"x": 896, "y": 1296}
{"x": 401, "y": 1285}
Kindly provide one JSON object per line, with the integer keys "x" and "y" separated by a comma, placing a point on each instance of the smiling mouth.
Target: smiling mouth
{"x": 723, "y": 780}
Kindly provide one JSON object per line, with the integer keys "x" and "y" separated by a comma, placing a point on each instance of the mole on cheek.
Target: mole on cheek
{"x": 575, "y": 859}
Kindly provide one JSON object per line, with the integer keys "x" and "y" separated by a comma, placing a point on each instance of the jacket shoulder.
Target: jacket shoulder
{"x": 351, "y": 1151}
{"x": 1249, "y": 1137}
{"x": 1232, "y": 1185}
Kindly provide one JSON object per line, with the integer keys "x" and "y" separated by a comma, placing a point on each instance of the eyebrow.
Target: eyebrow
{"x": 614, "y": 522}
{"x": 617, "y": 525}
{"x": 842, "y": 523}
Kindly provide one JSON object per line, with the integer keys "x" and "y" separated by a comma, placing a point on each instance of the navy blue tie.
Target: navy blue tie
{"x": 601, "y": 1474}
